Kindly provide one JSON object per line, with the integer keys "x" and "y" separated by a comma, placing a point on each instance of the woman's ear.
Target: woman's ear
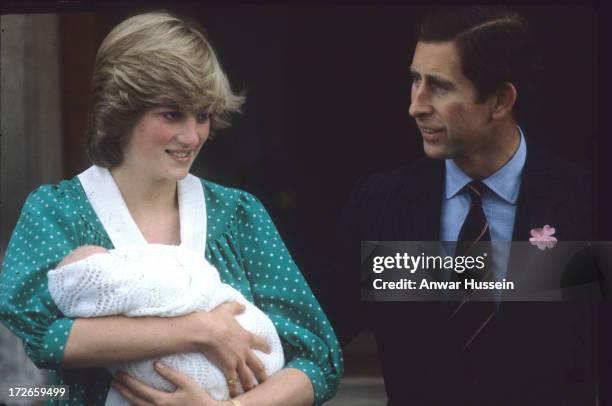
{"x": 505, "y": 97}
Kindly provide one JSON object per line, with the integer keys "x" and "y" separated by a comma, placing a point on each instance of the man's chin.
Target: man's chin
{"x": 435, "y": 151}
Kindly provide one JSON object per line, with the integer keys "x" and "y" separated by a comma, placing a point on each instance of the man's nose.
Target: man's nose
{"x": 419, "y": 102}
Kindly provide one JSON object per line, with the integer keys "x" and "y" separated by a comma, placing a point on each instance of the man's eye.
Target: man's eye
{"x": 202, "y": 117}
{"x": 440, "y": 89}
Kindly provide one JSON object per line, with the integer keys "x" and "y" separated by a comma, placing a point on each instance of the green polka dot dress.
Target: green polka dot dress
{"x": 242, "y": 243}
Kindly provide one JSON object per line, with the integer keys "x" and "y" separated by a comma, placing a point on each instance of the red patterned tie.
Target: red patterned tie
{"x": 475, "y": 227}
{"x": 472, "y": 317}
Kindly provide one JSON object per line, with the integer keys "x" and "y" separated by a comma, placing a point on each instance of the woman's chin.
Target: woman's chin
{"x": 180, "y": 175}
{"x": 175, "y": 174}
{"x": 179, "y": 172}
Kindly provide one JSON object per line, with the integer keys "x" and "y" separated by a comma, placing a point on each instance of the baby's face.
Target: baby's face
{"x": 81, "y": 253}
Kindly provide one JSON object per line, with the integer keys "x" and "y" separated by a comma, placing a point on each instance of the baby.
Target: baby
{"x": 156, "y": 280}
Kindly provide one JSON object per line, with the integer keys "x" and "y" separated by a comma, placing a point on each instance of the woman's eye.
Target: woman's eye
{"x": 172, "y": 115}
{"x": 202, "y": 117}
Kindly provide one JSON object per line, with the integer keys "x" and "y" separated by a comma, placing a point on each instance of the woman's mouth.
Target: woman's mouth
{"x": 179, "y": 156}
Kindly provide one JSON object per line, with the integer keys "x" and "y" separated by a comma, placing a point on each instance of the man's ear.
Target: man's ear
{"x": 505, "y": 97}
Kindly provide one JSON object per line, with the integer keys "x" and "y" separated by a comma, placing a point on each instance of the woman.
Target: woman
{"x": 158, "y": 91}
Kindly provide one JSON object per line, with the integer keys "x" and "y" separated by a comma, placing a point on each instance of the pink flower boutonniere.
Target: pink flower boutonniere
{"x": 543, "y": 237}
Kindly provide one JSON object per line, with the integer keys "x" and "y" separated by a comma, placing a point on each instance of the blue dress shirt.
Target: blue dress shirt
{"x": 498, "y": 203}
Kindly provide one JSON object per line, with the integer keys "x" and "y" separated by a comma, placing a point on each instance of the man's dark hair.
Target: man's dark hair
{"x": 495, "y": 44}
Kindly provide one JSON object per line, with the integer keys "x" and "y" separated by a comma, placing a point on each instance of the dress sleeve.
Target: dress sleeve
{"x": 44, "y": 234}
{"x": 279, "y": 289}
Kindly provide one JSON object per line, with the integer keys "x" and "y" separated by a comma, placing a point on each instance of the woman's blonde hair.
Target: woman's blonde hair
{"x": 153, "y": 59}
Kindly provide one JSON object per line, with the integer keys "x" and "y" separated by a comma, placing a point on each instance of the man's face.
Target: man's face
{"x": 443, "y": 103}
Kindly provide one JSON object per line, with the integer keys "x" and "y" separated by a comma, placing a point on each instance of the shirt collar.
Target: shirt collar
{"x": 505, "y": 182}
{"x": 108, "y": 204}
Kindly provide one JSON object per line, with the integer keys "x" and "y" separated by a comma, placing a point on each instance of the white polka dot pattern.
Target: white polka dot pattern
{"x": 242, "y": 243}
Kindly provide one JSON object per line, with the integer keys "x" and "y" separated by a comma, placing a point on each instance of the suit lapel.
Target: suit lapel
{"x": 420, "y": 203}
{"x": 537, "y": 204}
{"x": 538, "y": 198}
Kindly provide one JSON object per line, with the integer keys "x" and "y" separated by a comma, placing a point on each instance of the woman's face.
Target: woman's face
{"x": 164, "y": 143}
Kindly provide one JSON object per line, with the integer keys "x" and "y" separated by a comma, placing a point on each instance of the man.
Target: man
{"x": 471, "y": 65}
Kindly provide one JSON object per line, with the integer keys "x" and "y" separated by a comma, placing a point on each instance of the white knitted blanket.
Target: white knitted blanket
{"x": 158, "y": 280}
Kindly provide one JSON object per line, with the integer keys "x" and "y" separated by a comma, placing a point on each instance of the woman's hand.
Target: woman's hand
{"x": 187, "y": 390}
{"x": 229, "y": 347}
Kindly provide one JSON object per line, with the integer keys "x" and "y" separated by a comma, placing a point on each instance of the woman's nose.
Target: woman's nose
{"x": 190, "y": 134}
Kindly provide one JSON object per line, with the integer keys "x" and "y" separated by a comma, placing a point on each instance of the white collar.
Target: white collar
{"x": 106, "y": 200}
